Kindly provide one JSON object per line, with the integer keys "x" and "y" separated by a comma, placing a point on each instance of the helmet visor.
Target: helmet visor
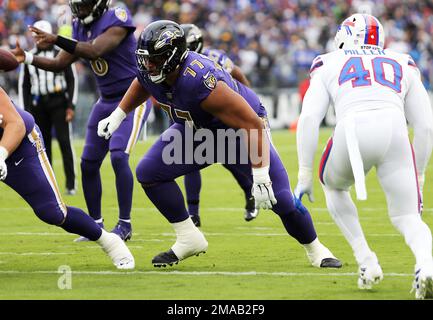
{"x": 152, "y": 64}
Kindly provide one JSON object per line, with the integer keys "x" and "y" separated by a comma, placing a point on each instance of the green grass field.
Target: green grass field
{"x": 255, "y": 260}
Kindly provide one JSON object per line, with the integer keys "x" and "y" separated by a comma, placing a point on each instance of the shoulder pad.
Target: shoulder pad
{"x": 317, "y": 63}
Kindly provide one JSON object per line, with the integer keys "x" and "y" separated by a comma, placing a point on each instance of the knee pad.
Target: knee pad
{"x": 90, "y": 167}
{"x": 50, "y": 213}
{"x": 119, "y": 159}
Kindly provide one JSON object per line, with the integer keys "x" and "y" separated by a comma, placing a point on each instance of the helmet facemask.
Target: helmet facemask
{"x": 161, "y": 49}
{"x": 161, "y": 62}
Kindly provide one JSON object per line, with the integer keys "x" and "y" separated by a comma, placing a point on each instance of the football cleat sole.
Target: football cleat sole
{"x": 331, "y": 263}
{"x": 168, "y": 258}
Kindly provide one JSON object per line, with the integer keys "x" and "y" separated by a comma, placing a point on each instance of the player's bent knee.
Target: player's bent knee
{"x": 119, "y": 159}
{"x": 51, "y": 214}
{"x": 146, "y": 173}
{"x": 89, "y": 166}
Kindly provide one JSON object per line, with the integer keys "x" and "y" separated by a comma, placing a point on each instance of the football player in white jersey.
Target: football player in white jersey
{"x": 374, "y": 92}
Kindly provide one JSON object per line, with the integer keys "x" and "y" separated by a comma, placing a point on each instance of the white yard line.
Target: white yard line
{"x": 211, "y": 234}
{"x": 208, "y": 273}
{"x": 240, "y": 209}
{"x": 35, "y": 253}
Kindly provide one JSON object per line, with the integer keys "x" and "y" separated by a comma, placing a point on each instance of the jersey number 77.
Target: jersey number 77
{"x": 354, "y": 70}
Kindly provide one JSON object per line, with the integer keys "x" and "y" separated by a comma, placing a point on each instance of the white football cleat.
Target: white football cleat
{"x": 369, "y": 274}
{"x": 423, "y": 283}
{"x": 117, "y": 250}
{"x": 190, "y": 245}
{"x": 320, "y": 256}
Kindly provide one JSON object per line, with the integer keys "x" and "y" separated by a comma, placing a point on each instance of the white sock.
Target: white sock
{"x": 345, "y": 215}
{"x": 313, "y": 246}
{"x": 104, "y": 238}
{"x": 362, "y": 252}
{"x": 125, "y": 220}
{"x": 184, "y": 227}
{"x": 417, "y": 236}
{"x": 99, "y": 220}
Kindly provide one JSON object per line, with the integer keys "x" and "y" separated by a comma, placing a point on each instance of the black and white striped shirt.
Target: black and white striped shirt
{"x": 35, "y": 82}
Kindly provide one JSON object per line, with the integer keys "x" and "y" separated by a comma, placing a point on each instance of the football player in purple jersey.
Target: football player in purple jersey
{"x": 192, "y": 180}
{"x": 198, "y": 92}
{"x": 24, "y": 167}
{"x": 104, "y": 38}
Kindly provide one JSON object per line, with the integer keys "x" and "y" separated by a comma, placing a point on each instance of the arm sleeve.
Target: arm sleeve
{"x": 24, "y": 88}
{"x": 72, "y": 86}
{"x": 314, "y": 108}
{"x": 419, "y": 114}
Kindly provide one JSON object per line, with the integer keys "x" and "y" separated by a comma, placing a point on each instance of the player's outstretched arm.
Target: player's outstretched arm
{"x": 232, "y": 109}
{"x": 56, "y": 64}
{"x": 135, "y": 96}
{"x": 91, "y": 50}
{"x": 14, "y": 131}
{"x": 314, "y": 108}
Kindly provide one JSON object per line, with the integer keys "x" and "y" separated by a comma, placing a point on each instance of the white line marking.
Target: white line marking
{"x": 378, "y": 209}
{"x": 211, "y": 234}
{"x": 37, "y": 234}
{"x": 208, "y": 273}
{"x": 34, "y": 253}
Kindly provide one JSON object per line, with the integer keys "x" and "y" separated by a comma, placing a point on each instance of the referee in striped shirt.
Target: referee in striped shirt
{"x": 51, "y": 97}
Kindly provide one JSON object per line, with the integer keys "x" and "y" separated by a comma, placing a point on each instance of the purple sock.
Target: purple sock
{"x": 78, "y": 222}
{"x": 243, "y": 176}
{"x": 168, "y": 198}
{"x": 124, "y": 182}
{"x": 297, "y": 223}
{"x": 92, "y": 188}
{"x": 192, "y": 183}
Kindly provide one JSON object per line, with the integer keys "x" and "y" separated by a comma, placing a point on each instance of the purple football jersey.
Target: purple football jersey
{"x": 219, "y": 57}
{"x": 115, "y": 70}
{"x": 198, "y": 76}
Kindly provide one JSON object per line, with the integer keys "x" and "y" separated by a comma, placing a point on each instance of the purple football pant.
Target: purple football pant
{"x": 192, "y": 183}
{"x": 157, "y": 179}
{"x": 32, "y": 177}
{"x": 120, "y": 145}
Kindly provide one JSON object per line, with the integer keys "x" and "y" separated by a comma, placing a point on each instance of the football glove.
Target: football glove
{"x": 305, "y": 184}
{"x": 262, "y": 189}
{"x": 107, "y": 126}
{"x": 3, "y": 167}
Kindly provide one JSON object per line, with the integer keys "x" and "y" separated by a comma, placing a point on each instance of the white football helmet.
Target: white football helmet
{"x": 358, "y": 30}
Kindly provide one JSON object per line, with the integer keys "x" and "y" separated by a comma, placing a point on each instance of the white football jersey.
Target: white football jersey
{"x": 358, "y": 81}
{"x": 365, "y": 78}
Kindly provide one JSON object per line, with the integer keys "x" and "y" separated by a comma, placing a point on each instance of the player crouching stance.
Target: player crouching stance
{"x": 373, "y": 90}
{"x": 198, "y": 92}
{"x": 24, "y": 167}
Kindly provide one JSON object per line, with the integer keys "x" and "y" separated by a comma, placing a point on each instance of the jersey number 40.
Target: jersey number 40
{"x": 354, "y": 70}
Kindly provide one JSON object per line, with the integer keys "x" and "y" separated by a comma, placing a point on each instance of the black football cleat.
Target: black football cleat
{"x": 330, "y": 263}
{"x": 123, "y": 230}
{"x": 250, "y": 210}
{"x": 165, "y": 258}
{"x": 196, "y": 220}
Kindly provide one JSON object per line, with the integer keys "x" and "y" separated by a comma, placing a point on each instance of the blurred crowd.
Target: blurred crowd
{"x": 273, "y": 41}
